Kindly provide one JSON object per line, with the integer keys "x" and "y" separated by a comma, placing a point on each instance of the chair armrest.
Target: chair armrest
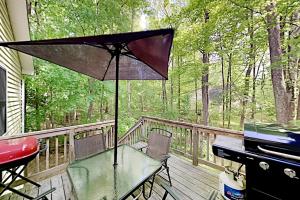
{"x": 140, "y": 145}
{"x": 165, "y": 158}
{"x": 169, "y": 189}
{"x": 144, "y": 147}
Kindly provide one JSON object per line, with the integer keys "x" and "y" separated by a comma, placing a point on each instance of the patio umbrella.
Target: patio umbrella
{"x": 125, "y": 56}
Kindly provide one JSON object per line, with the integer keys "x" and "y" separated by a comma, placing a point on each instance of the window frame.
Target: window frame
{"x": 6, "y": 100}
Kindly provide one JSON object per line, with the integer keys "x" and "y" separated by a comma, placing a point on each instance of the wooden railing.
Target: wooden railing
{"x": 60, "y": 146}
{"x": 193, "y": 141}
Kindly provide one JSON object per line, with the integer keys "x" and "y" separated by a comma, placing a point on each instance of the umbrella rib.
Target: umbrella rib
{"x": 101, "y": 47}
{"x": 111, "y": 53}
{"x": 112, "y": 57}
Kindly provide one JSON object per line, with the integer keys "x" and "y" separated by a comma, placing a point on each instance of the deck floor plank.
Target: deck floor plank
{"x": 31, "y": 190}
{"x": 189, "y": 183}
{"x": 193, "y": 176}
{"x": 45, "y": 186}
{"x": 67, "y": 186}
{"x": 184, "y": 187}
{"x": 56, "y": 182}
{"x": 202, "y": 172}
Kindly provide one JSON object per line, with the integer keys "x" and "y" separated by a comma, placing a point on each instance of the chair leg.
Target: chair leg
{"x": 165, "y": 195}
{"x": 167, "y": 168}
{"x": 168, "y": 172}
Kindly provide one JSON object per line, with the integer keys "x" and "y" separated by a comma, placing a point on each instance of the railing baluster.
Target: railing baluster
{"x": 47, "y": 153}
{"x": 201, "y": 144}
{"x": 37, "y": 163}
{"x": 195, "y": 134}
{"x": 56, "y": 150}
{"x": 214, "y": 157}
{"x": 180, "y": 139}
{"x": 185, "y": 141}
{"x": 65, "y": 148}
{"x": 207, "y": 146}
{"x": 191, "y": 141}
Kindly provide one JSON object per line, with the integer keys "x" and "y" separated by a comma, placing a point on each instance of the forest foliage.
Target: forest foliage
{"x": 232, "y": 61}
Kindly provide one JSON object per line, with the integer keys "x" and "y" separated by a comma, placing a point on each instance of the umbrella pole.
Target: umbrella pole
{"x": 117, "y": 51}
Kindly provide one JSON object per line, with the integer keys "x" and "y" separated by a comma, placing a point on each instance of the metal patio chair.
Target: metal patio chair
{"x": 88, "y": 146}
{"x": 159, "y": 146}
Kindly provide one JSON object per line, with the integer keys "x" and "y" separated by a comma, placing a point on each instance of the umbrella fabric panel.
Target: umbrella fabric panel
{"x": 131, "y": 69}
{"x": 154, "y": 51}
{"x": 92, "y": 61}
{"x": 142, "y": 55}
{"x": 85, "y": 59}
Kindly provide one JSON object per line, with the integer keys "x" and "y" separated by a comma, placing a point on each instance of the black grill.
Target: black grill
{"x": 271, "y": 155}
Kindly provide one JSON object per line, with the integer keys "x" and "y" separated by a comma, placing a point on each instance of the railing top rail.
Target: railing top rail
{"x": 137, "y": 124}
{"x": 191, "y": 126}
{"x": 60, "y": 131}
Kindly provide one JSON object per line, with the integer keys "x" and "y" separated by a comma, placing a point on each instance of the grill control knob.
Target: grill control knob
{"x": 290, "y": 173}
{"x": 264, "y": 165}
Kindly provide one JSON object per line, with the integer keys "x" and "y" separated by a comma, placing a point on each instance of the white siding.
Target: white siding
{"x": 9, "y": 60}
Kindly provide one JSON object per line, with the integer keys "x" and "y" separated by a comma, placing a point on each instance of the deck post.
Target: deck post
{"x": 195, "y": 136}
{"x": 144, "y": 133}
{"x": 71, "y": 145}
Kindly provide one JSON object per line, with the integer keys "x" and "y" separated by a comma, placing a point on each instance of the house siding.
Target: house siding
{"x": 10, "y": 61}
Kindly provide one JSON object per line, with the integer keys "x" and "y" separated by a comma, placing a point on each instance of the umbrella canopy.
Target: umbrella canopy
{"x": 125, "y": 56}
{"x": 143, "y": 55}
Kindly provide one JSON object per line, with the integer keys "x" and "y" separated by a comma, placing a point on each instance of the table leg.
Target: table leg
{"x": 151, "y": 188}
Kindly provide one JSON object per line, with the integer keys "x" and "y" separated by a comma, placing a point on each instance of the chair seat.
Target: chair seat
{"x": 139, "y": 145}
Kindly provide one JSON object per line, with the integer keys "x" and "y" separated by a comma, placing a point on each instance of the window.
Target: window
{"x": 2, "y": 101}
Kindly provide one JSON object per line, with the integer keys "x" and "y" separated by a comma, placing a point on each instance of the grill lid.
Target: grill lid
{"x": 17, "y": 149}
{"x": 272, "y": 140}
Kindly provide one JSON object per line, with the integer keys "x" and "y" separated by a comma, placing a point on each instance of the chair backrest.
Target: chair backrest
{"x": 159, "y": 143}
{"x": 90, "y": 145}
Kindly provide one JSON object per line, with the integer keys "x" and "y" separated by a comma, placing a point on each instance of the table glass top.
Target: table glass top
{"x": 96, "y": 177}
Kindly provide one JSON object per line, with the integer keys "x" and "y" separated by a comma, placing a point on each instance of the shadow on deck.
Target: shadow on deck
{"x": 189, "y": 182}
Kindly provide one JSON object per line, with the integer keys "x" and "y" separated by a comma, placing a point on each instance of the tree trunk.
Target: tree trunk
{"x": 172, "y": 85}
{"x": 292, "y": 69}
{"x": 196, "y": 96}
{"x": 279, "y": 90}
{"x": 179, "y": 100}
{"x": 128, "y": 81}
{"x": 204, "y": 81}
{"x": 91, "y": 103}
{"x": 128, "y": 97}
{"x": 298, "y": 108}
{"x": 223, "y": 93}
{"x": 101, "y": 102}
{"x": 164, "y": 94}
{"x": 248, "y": 72}
{"x": 253, "y": 99}
{"x": 229, "y": 88}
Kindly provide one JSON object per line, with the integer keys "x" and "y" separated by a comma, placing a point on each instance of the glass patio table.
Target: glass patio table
{"x": 96, "y": 178}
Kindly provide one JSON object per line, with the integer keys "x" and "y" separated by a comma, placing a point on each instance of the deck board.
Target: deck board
{"x": 189, "y": 182}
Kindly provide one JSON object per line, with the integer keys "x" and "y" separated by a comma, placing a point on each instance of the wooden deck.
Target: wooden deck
{"x": 189, "y": 182}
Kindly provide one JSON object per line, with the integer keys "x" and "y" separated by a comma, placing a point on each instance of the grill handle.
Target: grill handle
{"x": 278, "y": 153}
